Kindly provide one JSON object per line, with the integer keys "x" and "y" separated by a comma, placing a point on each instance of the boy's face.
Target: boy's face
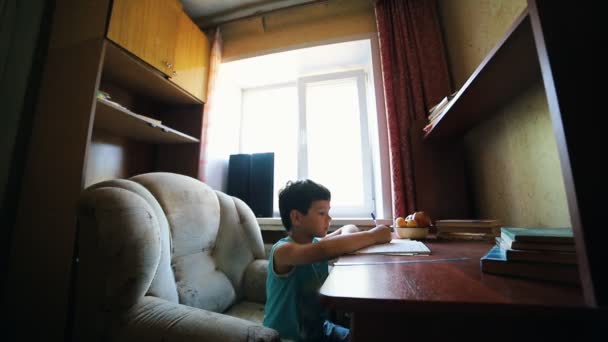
{"x": 316, "y": 221}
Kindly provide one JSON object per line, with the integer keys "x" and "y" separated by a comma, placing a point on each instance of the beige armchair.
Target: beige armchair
{"x": 163, "y": 257}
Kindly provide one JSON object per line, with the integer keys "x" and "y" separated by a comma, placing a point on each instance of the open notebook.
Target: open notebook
{"x": 397, "y": 247}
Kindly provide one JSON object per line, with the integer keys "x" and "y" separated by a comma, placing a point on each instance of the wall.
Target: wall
{"x": 330, "y": 21}
{"x": 514, "y": 170}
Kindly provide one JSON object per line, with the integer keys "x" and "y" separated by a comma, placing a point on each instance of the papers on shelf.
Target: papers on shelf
{"x": 397, "y": 247}
{"x": 120, "y": 107}
{"x": 437, "y": 111}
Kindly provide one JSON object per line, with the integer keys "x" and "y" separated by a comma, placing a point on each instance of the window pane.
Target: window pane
{"x": 334, "y": 140}
{"x": 270, "y": 123}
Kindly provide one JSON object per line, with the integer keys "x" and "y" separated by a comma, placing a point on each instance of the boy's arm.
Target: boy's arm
{"x": 347, "y": 229}
{"x": 291, "y": 254}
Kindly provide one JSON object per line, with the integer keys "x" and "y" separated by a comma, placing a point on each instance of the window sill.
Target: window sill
{"x": 274, "y": 223}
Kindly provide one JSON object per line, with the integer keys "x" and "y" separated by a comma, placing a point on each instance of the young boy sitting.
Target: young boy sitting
{"x": 298, "y": 263}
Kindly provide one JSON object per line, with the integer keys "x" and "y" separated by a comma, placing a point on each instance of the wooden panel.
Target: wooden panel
{"x": 455, "y": 286}
{"x": 125, "y": 123}
{"x": 569, "y": 65}
{"x": 527, "y": 324}
{"x": 147, "y": 28}
{"x": 43, "y": 240}
{"x": 130, "y": 73}
{"x": 191, "y": 58}
{"x": 182, "y": 159}
{"x": 187, "y": 119}
{"x": 509, "y": 68}
{"x": 111, "y": 156}
{"x": 88, "y": 16}
{"x": 439, "y": 177}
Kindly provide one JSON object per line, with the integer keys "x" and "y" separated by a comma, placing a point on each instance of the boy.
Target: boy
{"x": 298, "y": 267}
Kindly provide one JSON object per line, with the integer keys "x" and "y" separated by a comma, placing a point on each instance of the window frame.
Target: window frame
{"x": 366, "y": 156}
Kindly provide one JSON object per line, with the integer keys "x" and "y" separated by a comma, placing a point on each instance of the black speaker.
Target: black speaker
{"x": 239, "y": 168}
{"x": 251, "y": 178}
{"x": 261, "y": 183}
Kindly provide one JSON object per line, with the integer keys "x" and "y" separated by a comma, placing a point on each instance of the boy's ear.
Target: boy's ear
{"x": 295, "y": 216}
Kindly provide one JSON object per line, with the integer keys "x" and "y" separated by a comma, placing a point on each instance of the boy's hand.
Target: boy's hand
{"x": 381, "y": 234}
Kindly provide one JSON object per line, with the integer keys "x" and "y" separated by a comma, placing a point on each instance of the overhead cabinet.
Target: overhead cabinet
{"x": 190, "y": 70}
{"x": 162, "y": 35}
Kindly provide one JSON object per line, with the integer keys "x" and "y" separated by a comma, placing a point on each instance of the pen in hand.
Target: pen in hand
{"x": 376, "y": 222}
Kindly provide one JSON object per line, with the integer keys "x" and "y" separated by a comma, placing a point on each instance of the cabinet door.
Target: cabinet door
{"x": 191, "y": 58}
{"x": 148, "y": 29}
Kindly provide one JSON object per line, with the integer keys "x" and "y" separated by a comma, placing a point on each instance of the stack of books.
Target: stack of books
{"x": 468, "y": 229}
{"x": 536, "y": 253}
{"x": 437, "y": 111}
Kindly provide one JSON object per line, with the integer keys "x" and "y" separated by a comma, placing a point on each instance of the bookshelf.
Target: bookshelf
{"x": 540, "y": 46}
{"x": 509, "y": 68}
{"x": 149, "y": 123}
{"x": 74, "y": 140}
{"x": 123, "y": 122}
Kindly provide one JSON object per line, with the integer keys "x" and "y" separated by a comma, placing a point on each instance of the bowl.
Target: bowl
{"x": 412, "y": 232}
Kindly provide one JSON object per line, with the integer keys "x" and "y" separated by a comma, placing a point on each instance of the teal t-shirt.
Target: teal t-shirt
{"x": 292, "y": 299}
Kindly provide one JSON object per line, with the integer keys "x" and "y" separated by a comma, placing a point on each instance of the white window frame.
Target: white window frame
{"x": 376, "y": 124}
{"x": 366, "y": 155}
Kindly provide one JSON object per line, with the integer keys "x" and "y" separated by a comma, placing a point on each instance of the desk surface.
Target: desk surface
{"x": 436, "y": 286}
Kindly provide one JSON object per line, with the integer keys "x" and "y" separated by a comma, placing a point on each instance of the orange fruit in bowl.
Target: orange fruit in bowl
{"x": 411, "y": 223}
{"x": 400, "y": 222}
{"x": 422, "y": 219}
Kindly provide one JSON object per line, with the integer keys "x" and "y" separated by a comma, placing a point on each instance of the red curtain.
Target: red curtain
{"x": 415, "y": 76}
{"x": 215, "y": 60}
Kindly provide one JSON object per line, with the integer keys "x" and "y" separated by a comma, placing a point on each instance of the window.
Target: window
{"x": 270, "y": 124}
{"x": 317, "y": 128}
{"x": 319, "y": 116}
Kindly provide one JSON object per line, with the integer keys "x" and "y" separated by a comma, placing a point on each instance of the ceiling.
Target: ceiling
{"x": 209, "y": 13}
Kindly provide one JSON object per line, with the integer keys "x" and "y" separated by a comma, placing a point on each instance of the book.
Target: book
{"x": 397, "y": 247}
{"x": 495, "y": 262}
{"x": 459, "y": 229}
{"x": 536, "y": 246}
{"x": 486, "y": 230}
{"x": 541, "y": 256}
{"x": 466, "y": 236}
{"x": 467, "y": 223}
{"x": 540, "y": 235}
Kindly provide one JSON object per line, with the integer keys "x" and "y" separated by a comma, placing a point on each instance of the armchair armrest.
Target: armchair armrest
{"x": 254, "y": 281}
{"x": 155, "y": 319}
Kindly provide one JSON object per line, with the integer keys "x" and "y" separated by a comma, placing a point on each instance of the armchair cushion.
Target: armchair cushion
{"x": 165, "y": 257}
{"x": 154, "y": 319}
{"x": 250, "y": 311}
{"x": 255, "y": 281}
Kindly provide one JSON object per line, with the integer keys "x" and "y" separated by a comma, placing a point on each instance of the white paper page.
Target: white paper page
{"x": 396, "y": 247}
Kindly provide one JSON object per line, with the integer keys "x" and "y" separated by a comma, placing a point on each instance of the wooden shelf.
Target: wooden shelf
{"x": 128, "y": 71}
{"x": 510, "y": 67}
{"x": 122, "y": 122}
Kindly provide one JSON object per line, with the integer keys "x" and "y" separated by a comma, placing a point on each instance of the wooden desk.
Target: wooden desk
{"x": 448, "y": 298}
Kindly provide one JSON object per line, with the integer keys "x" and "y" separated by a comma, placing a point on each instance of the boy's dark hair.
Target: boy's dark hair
{"x": 299, "y": 195}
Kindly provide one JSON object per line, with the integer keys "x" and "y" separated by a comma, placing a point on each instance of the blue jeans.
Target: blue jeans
{"x": 335, "y": 333}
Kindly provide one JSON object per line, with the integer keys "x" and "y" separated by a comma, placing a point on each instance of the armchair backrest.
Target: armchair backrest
{"x": 164, "y": 235}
